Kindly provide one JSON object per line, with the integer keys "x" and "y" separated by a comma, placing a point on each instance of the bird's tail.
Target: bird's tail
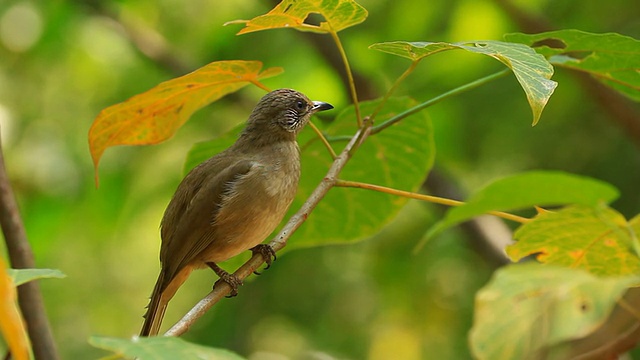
{"x": 155, "y": 309}
{"x": 162, "y": 293}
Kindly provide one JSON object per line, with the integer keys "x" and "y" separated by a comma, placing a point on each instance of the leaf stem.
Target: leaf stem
{"x": 394, "y": 87}
{"x": 260, "y": 85}
{"x": 429, "y": 198}
{"x": 352, "y": 84}
{"x": 324, "y": 140}
{"x": 457, "y": 91}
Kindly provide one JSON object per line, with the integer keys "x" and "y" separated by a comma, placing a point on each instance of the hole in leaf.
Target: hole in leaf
{"x": 552, "y": 43}
{"x": 314, "y": 19}
{"x": 579, "y": 55}
{"x": 288, "y": 7}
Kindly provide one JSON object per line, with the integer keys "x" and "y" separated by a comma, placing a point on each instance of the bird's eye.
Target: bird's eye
{"x": 300, "y": 105}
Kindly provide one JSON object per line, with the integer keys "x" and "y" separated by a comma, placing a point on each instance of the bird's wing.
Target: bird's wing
{"x": 191, "y": 229}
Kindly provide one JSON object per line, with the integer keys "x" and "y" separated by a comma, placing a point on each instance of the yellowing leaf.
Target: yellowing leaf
{"x": 11, "y": 322}
{"x": 547, "y": 306}
{"x": 595, "y": 238}
{"x": 155, "y": 115}
{"x": 338, "y": 15}
{"x": 531, "y": 69}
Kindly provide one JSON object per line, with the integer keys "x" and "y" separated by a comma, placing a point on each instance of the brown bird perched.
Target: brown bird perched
{"x": 231, "y": 202}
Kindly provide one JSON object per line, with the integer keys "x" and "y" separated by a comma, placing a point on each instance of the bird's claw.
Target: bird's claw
{"x": 233, "y": 281}
{"x": 267, "y": 253}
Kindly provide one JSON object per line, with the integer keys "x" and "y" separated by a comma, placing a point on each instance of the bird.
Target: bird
{"x": 231, "y": 202}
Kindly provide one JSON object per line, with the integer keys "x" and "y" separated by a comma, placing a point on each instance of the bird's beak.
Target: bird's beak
{"x": 321, "y": 106}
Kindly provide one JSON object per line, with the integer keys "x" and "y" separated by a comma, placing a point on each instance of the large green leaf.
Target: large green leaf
{"x": 21, "y": 276}
{"x": 399, "y": 157}
{"x": 532, "y": 70}
{"x": 594, "y": 238}
{"x": 528, "y": 308}
{"x": 160, "y": 348}
{"x": 536, "y": 188}
{"x": 611, "y": 58}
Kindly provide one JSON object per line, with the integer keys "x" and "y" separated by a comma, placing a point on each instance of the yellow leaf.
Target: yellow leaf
{"x": 338, "y": 15}
{"x": 11, "y": 322}
{"x": 594, "y": 238}
{"x": 155, "y": 115}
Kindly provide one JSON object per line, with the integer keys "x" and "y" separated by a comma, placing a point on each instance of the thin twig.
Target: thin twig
{"x": 352, "y": 84}
{"x": 324, "y": 140}
{"x": 21, "y": 257}
{"x": 457, "y": 91}
{"x": 393, "y": 88}
{"x": 429, "y": 198}
{"x": 221, "y": 288}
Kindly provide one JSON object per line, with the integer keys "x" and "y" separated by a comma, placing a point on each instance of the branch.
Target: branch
{"x": 221, "y": 288}
{"x": 457, "y": 91}
{"x": 21, "y": 257}
{"x": 429, "y": 198}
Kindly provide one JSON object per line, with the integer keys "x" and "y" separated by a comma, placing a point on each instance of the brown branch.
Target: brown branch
{"x": 21, "y": 257}
{"x": 221, "y": 289}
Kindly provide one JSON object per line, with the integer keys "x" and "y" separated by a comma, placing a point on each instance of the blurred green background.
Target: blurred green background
{"x": 61, "y": 62}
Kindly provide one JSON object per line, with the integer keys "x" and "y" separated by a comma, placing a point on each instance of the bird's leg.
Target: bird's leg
{"x": 267, "y": 252}
{"x": 230, "y": 279}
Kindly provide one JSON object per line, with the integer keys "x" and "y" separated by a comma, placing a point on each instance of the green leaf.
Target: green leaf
{"x": 532, "y": 70}
{"x": 399, "y": 157}
{"x": 21, "y": 276}
{"x": 160, "y": 347}
{"x": 536, "y": 188}
{"x": 527, "y": 308}
{"x": 346, "y": 214}
{"x": 338, "y": 15}
{"x": 594, "y": 238}
{"x": 612, "y": 58}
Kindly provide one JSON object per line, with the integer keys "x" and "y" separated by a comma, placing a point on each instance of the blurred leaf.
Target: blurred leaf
{"x": 536, "y": 188}
{"x": 21, "y": 276}
{"x": 594, "y": 238}
{"x": 155, "y": 115}
{"x": 161, "y": 347}
{"x": 612, "y": 58}
{"x": 546, "y": 305}
{"x": 11, "y": 322}
{"x": 337, "y": 14}
{"x": 532, "y": 70}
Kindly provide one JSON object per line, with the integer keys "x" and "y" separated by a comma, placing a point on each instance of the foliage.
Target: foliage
{"x": 553, "y": 305}
{"x": 587, "y": 251}
{"x": 610, "y": 58}
{"x": 161, "y": 348}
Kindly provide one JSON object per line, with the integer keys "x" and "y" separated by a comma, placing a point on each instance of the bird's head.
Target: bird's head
{"x": 285, "y": 110}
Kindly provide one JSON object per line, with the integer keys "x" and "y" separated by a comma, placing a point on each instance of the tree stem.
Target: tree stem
{"x": 21, "y": 257}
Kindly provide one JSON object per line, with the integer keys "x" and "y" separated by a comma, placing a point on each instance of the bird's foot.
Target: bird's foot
{"x": 267, "y": 253}
{"x": 230, "y": 279}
